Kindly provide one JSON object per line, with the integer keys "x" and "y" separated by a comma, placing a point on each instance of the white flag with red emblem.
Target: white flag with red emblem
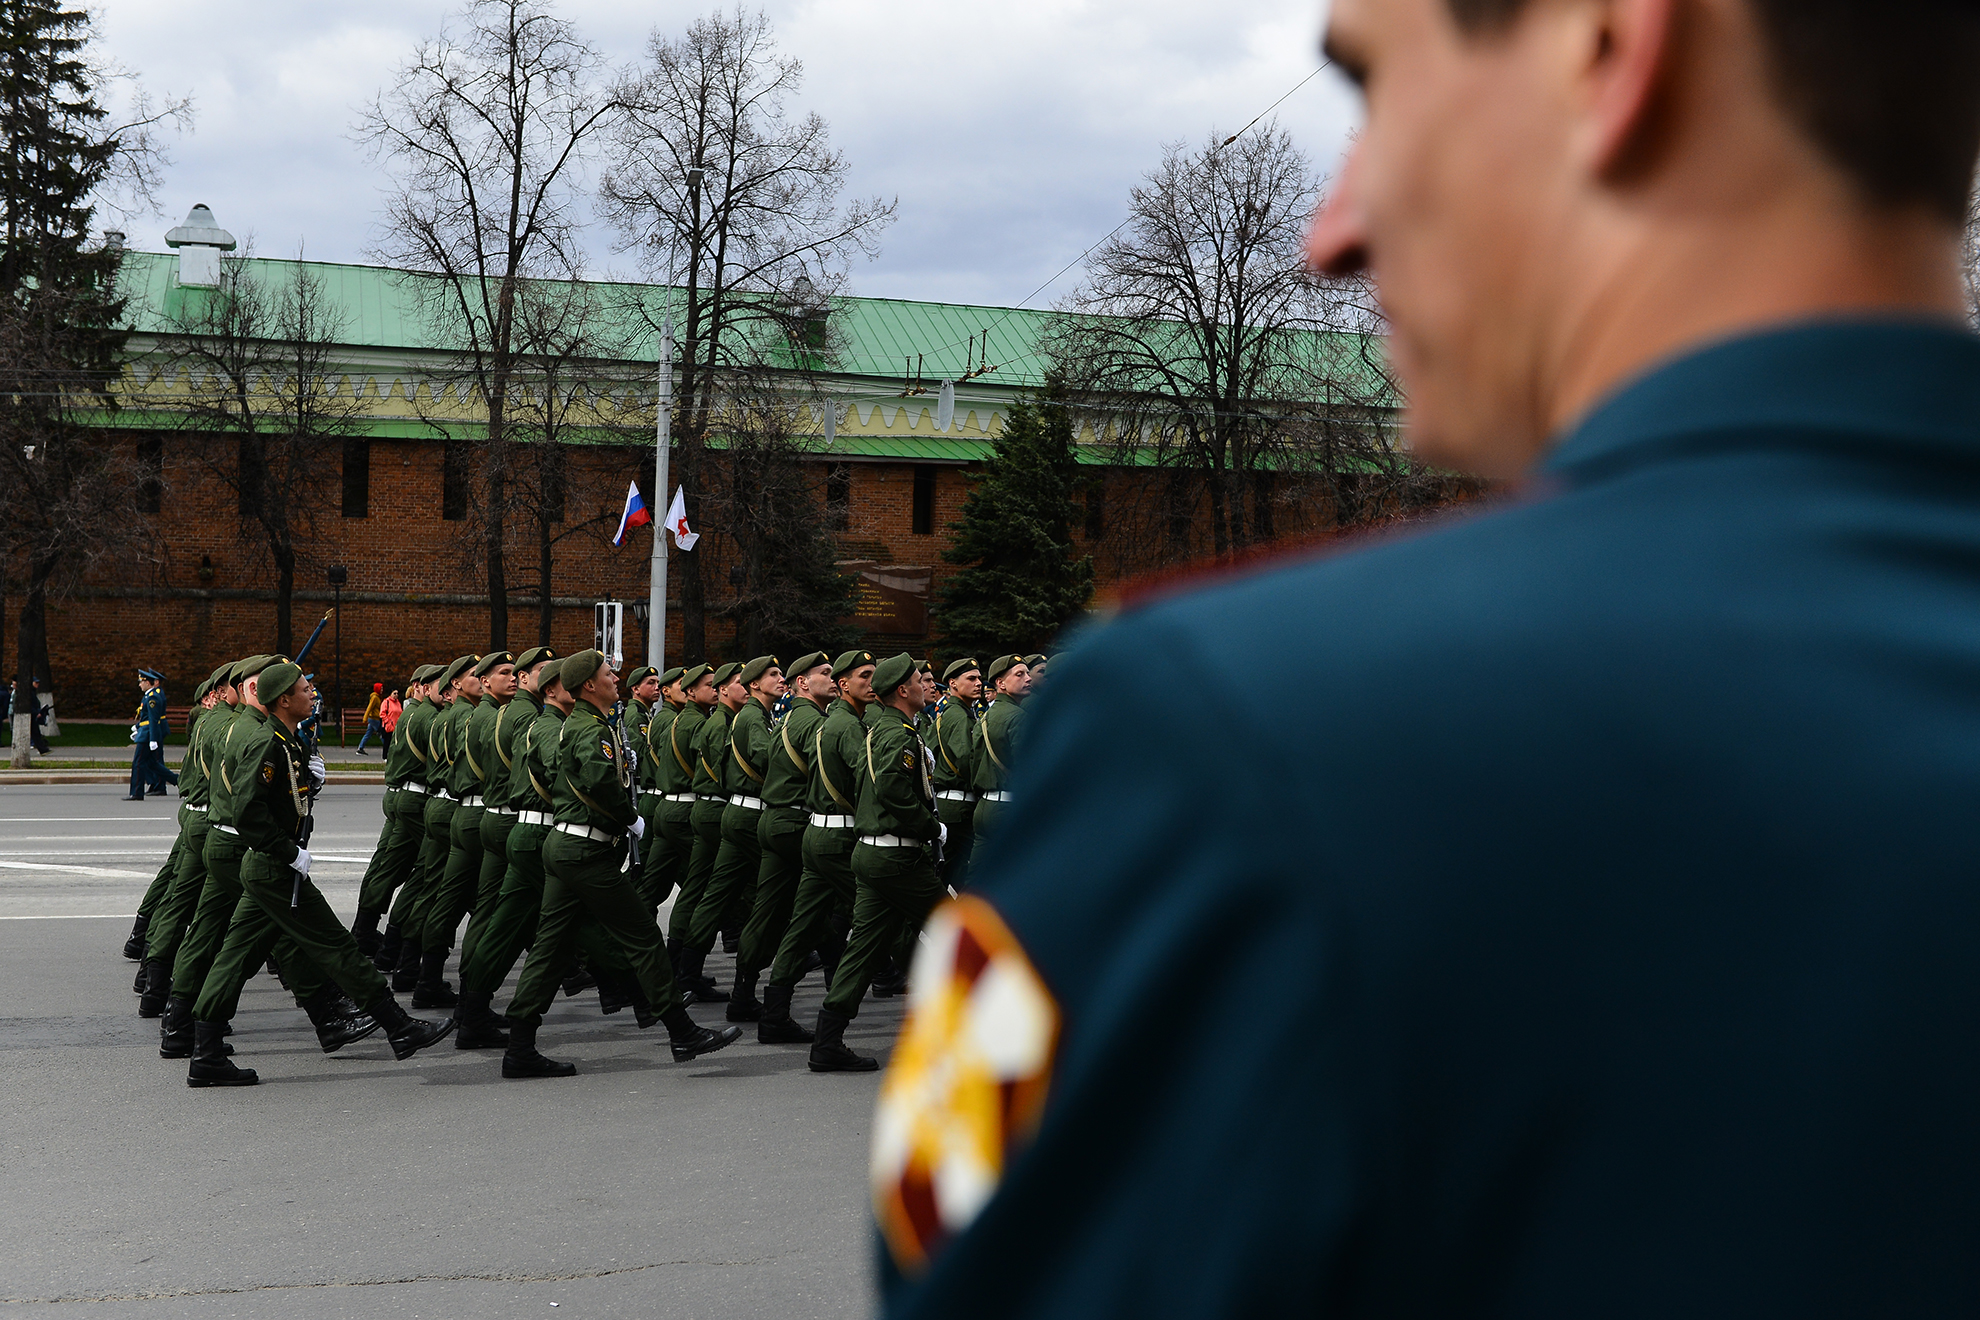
{"x": 677, "y": 522}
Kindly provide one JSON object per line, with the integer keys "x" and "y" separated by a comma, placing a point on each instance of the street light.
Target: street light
{"x": 339, "y": 575}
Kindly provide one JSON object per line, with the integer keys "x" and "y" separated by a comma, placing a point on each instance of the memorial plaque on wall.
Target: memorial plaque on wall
{"x": 892, "y": 600}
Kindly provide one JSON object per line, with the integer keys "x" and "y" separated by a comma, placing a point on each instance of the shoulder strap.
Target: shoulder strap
{"x": 529, "y": 742}
{"x": 467, "y": 746}
{"x": 736, "y": 752}
{"x": 942, "y": 747}
{"x": 824, "y": 775}
{"x": 871, "y": 773}
{"x": 991, "y": 747}
{"x": 784, "y": 732}
{"x": 674, "y": 746}
{"x": 508, "y": 762}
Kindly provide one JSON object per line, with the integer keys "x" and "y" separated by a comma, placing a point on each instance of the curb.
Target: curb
{"x": 97, "y": 777}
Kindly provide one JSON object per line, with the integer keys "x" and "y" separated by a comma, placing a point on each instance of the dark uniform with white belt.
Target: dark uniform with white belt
{"x": 461, "y": 878}
{"x": 661, "y": 855}
{"x": 711, "y": 801}
{"x": 173, "y": 912}
{"x": 893, "y": 863}
{"x": 387, "y": 880}
{"x": 954, "y": 745}
{"x": 586, "y": 867}
{"x": 436, "y": 848}
{"x": 996, "y": 735}
{"x": 743, "y": 762}
{"x": 494, "y": 743}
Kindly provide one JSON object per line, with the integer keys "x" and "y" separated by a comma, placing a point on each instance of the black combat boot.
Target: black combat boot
{"x": 479, "y": 1029}
{"x": 175, "y": 1029}
{"x": 777, "y": 1026}
{"x": 578, "y": 980}
{"x": 389, "y": 948}
{"x": 143, "y": 976}
{"x": 134, "y": 946}
{"x": 690, "y": 976}
{"x": 157, "y": 988}
{"x": 275, "y": 970}
{"x": 522, "y": 1060}
{"x": 891, "y": 982}
{"x": 406, "y": 975}
{"x": 829, "y": 1052}
{"x": 432, "y": 992}
{"x": 210, "y": 1065}
{"x": 616, "y": 992}
{"x": 364, "y": 929}
{"x": 335, "y": 1026}
{"x": 689, "y": 1039}
{"x": 409, "y": 1035}
{"x": 742, "y": 1000}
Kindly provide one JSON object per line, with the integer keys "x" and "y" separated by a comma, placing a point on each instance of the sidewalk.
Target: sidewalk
{"x": 112, "y": 765}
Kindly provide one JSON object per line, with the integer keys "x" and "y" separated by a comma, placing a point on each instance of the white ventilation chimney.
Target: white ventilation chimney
{"x": 200, "y": 241}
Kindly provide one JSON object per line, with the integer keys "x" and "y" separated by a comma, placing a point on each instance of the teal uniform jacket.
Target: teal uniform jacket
{"x": 1605, "y": 912}
{"x": 152, "y": 722}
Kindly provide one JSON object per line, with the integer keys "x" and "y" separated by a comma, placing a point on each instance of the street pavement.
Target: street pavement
{"x": 354, "y": 1185}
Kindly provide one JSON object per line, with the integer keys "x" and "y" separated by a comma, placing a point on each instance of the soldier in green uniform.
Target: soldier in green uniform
{"x": 423, "y": 706}
{"x": 711, "y": 755}
{"x": 467, "y": 730}
{"x": 665, "y": 847}
{"x": 437, "y": 816}
{"x": 742, "y": 762}
{"x": 174, "y": 909}
{"x": 893, "y": 862}
{"x": 155, "y": 892}
{"x": 996, "y": 733}
{"x": 388, "y": 879}
{"x": 497, "y": 763}
{"x": 390, "y": 860}
{"x": 270, "y": 803}
{"x": 586, "y": 867}
{"x": 954, "y": 745}
{"x": 780, "y": 828}
{"x": 824, "y": 899}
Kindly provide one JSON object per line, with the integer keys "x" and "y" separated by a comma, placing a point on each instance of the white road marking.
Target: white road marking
{"x": 100, "y": 872}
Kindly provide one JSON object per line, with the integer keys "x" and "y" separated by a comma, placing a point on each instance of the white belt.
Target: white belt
{"x": 954, "y": 795}
{"x": 228, "y": 829}
{"x": 996, "y": 797}
{"x": 190, "y": 807}
{"x": 710, "y": 797}
{"x": 503, "y": 811}
{"x": 891, "y": 841}
{"x": 649, "y": 792}
{"x": 586, "y": 832}
{"x": 472, "y": 800}
{"x": 746, "y": 803}
{"x": 413, "y": 786}
{"x": 677, "y": 797}
{"x": 824, "y": 822}
{"x": 535, "y": 818}
{"x": 443, "y": 793}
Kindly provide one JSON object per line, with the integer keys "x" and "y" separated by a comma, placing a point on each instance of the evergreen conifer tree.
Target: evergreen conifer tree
{"x": 1021, "y": 581}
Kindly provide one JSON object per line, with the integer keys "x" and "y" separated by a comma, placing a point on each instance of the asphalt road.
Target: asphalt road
{"x": 353, "y": 1185}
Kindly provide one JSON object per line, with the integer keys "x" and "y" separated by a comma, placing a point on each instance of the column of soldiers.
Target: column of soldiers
{"x": 810, "y": 819}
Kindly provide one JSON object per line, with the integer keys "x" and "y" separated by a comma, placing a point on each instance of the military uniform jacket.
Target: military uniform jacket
{"x": 222, "y": 761}
{"x": 955, "y": 745}
{"x": 594, "y": 777}
{"x": 268, "y": 800}
{"x": 996, "y": 732}
{"x": 653, "y": 746}
{"x": 450, "y": 746}
{"x": 749, "y": 749}
{"x": 415, "y": 737}
{"x": 403, "y": 763}
{"x": 510, "y": 719}
{"x": 674, "y": 749}
{"x": 638, "y": 718}
{"x": 478, "y": 749}
{"x": 193, "y": 787}
{"x": 152, "y": 724}
{"x": 838, "y": 761}
{"x": 787, "y": 781}
{"x": 711, "y": 754}
{"x": 533, "y": 778}
{"x": 896, "y": 795}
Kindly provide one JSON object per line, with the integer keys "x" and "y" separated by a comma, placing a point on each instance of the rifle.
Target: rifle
{"x": 303, "y": 654}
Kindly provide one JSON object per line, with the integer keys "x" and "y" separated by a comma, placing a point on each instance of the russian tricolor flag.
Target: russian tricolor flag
{"x": 635, "y": 514}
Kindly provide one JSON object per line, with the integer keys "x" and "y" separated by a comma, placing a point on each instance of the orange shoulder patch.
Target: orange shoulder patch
{"x": 967, "y": 1084}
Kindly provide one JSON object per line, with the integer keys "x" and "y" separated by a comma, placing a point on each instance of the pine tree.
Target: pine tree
{"x": 1021, "y": 581}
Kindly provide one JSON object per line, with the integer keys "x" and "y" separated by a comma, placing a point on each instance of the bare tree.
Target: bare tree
{"x": 714, "y": 181}
{"x": 1201, "y": 335}
{"x": 488, "y": 128}
{"x": 264, "y": 409}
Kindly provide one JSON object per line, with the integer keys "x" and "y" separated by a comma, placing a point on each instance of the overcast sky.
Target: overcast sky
{"x": 1010, "y": 131}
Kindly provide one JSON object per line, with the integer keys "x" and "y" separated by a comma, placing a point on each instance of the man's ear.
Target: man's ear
{"x": 1630, "y": 46}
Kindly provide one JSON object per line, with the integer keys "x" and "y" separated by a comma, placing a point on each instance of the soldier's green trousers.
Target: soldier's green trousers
{"x": 435, "y": 845}
{"x": 824, "y": 898}
{"x": 276, "y": 905}
{"x": 495, "y": 830}
{"x": 960, "y": 817}
{"x": 588, "y": 878}
{"x": 386, "y": 871}
{"x": 174, "y": 913}
{"x": 154, "y": 893}
{"x": 735, "y": 874}
{"x": 897, "y": 889}
{"x": 780, "y": 849}
{"x": 460, "y": 881}
{"x": 512, "y": 920}
{"x": 402, "y": 864}
{"x": 983, "y": 821}
{"x": 669, "y": 846}
{"x": 219, "y": 900}
{"x": 705, "y": 822}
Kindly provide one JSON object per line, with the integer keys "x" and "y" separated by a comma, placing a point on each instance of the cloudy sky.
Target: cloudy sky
{"x": 1010, "y": 131}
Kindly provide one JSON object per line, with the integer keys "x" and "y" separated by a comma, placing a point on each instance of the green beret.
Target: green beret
{"x": 276, "y": 681}
{"x": 1001, "y": 666}
{"x": 692, "y": 677}
{"x": 489, "y": 662}
{"x": 427, "y": 673}
{"x": 757, "y": 668}
{"x": 534, "y": 656}
{"x": 804, "y": 664}
{"x": 199, "y": 693}
{"x": 849, "y": 661}
{"x": 1034, "y": 661}
{"x": 578, "y": 670}
{"x": 891, "y": 673}
{"x": 957, "y": 668}
{"x": 725, "y": 673}
{"x": 672, "y": 676}
{"x": 254, "y": 664}
{"x": 640, "y": 675}
{"x": 224, "y": 675}
{"x": 454, "y": 671}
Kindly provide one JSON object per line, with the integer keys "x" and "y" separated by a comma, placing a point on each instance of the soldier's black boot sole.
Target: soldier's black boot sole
{"x": 210, "y": 1065}
{"x": 777, "y": 1026}
{"x": 522, "y": 1060}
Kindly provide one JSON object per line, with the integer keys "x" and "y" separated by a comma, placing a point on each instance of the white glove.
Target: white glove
{"x": 639, "y": 827}
{"x": 943, "y": 837}
{"x": 154, "y": 747}
{"x": 302, "y": 861}
{"x": 317, "y": 770}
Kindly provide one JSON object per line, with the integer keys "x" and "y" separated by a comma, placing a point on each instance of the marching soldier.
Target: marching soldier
{"x": 667, "y": 842}
{"x": 711, "y": 758}
{"x": 493, "y": 742}
{"x": 475, "y": 706}
{"x": 1010, "y": 679}
{"x": 174, "y": 909}
{"x": 392, "y": 859}
{"x": 585, "y": 863}
{"x": 271, "y": 805}
{"x": 154, "y": 894}
{"x": 780, "y": 828}
{"x": 893, "y": 861}
{"x": 437, "y": 818}
{"x": 955, "y": 766}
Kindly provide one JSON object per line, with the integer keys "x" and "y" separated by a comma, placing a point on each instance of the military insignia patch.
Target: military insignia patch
{"x": 267, "y": 774}
{"x": 605, "y": 747}
{"x": 907, "y": 760}
{"x": 967, "y": 1084}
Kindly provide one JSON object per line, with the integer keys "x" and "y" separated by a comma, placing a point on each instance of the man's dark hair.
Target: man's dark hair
{"x": 1889, "y": 90}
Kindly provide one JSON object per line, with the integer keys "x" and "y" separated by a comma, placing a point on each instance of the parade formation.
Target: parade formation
{"x": 808, "y": 817}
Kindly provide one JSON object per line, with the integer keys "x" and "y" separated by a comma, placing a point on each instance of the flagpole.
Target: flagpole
{"x": 656, "y": 599}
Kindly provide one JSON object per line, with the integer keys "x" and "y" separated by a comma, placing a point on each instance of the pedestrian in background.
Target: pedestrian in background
{"x": 37, "y": 720}
{"x": 149, "y": 774}
{"x": 388, "y": 719}
{"x": 373, "y": 721}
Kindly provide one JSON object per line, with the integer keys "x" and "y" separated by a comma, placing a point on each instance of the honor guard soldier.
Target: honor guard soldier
{"x": 503, "y": 714}
{"x": 996, "y": 734}
{"x": 174, "y": 909}
{"x": 953, "y": 740}
{"x": 711, "y": 800}
{"x": 134, "y": 947}
{"x": 586, "y": 864}
{"x": 744, "y": 759}
{"x": 665, "y": 852}
{"x": 148, "y": 734}
{"x": 467, "y": 730}
{"x": 434, "y": 733}
{"x": 397, "y": 853}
